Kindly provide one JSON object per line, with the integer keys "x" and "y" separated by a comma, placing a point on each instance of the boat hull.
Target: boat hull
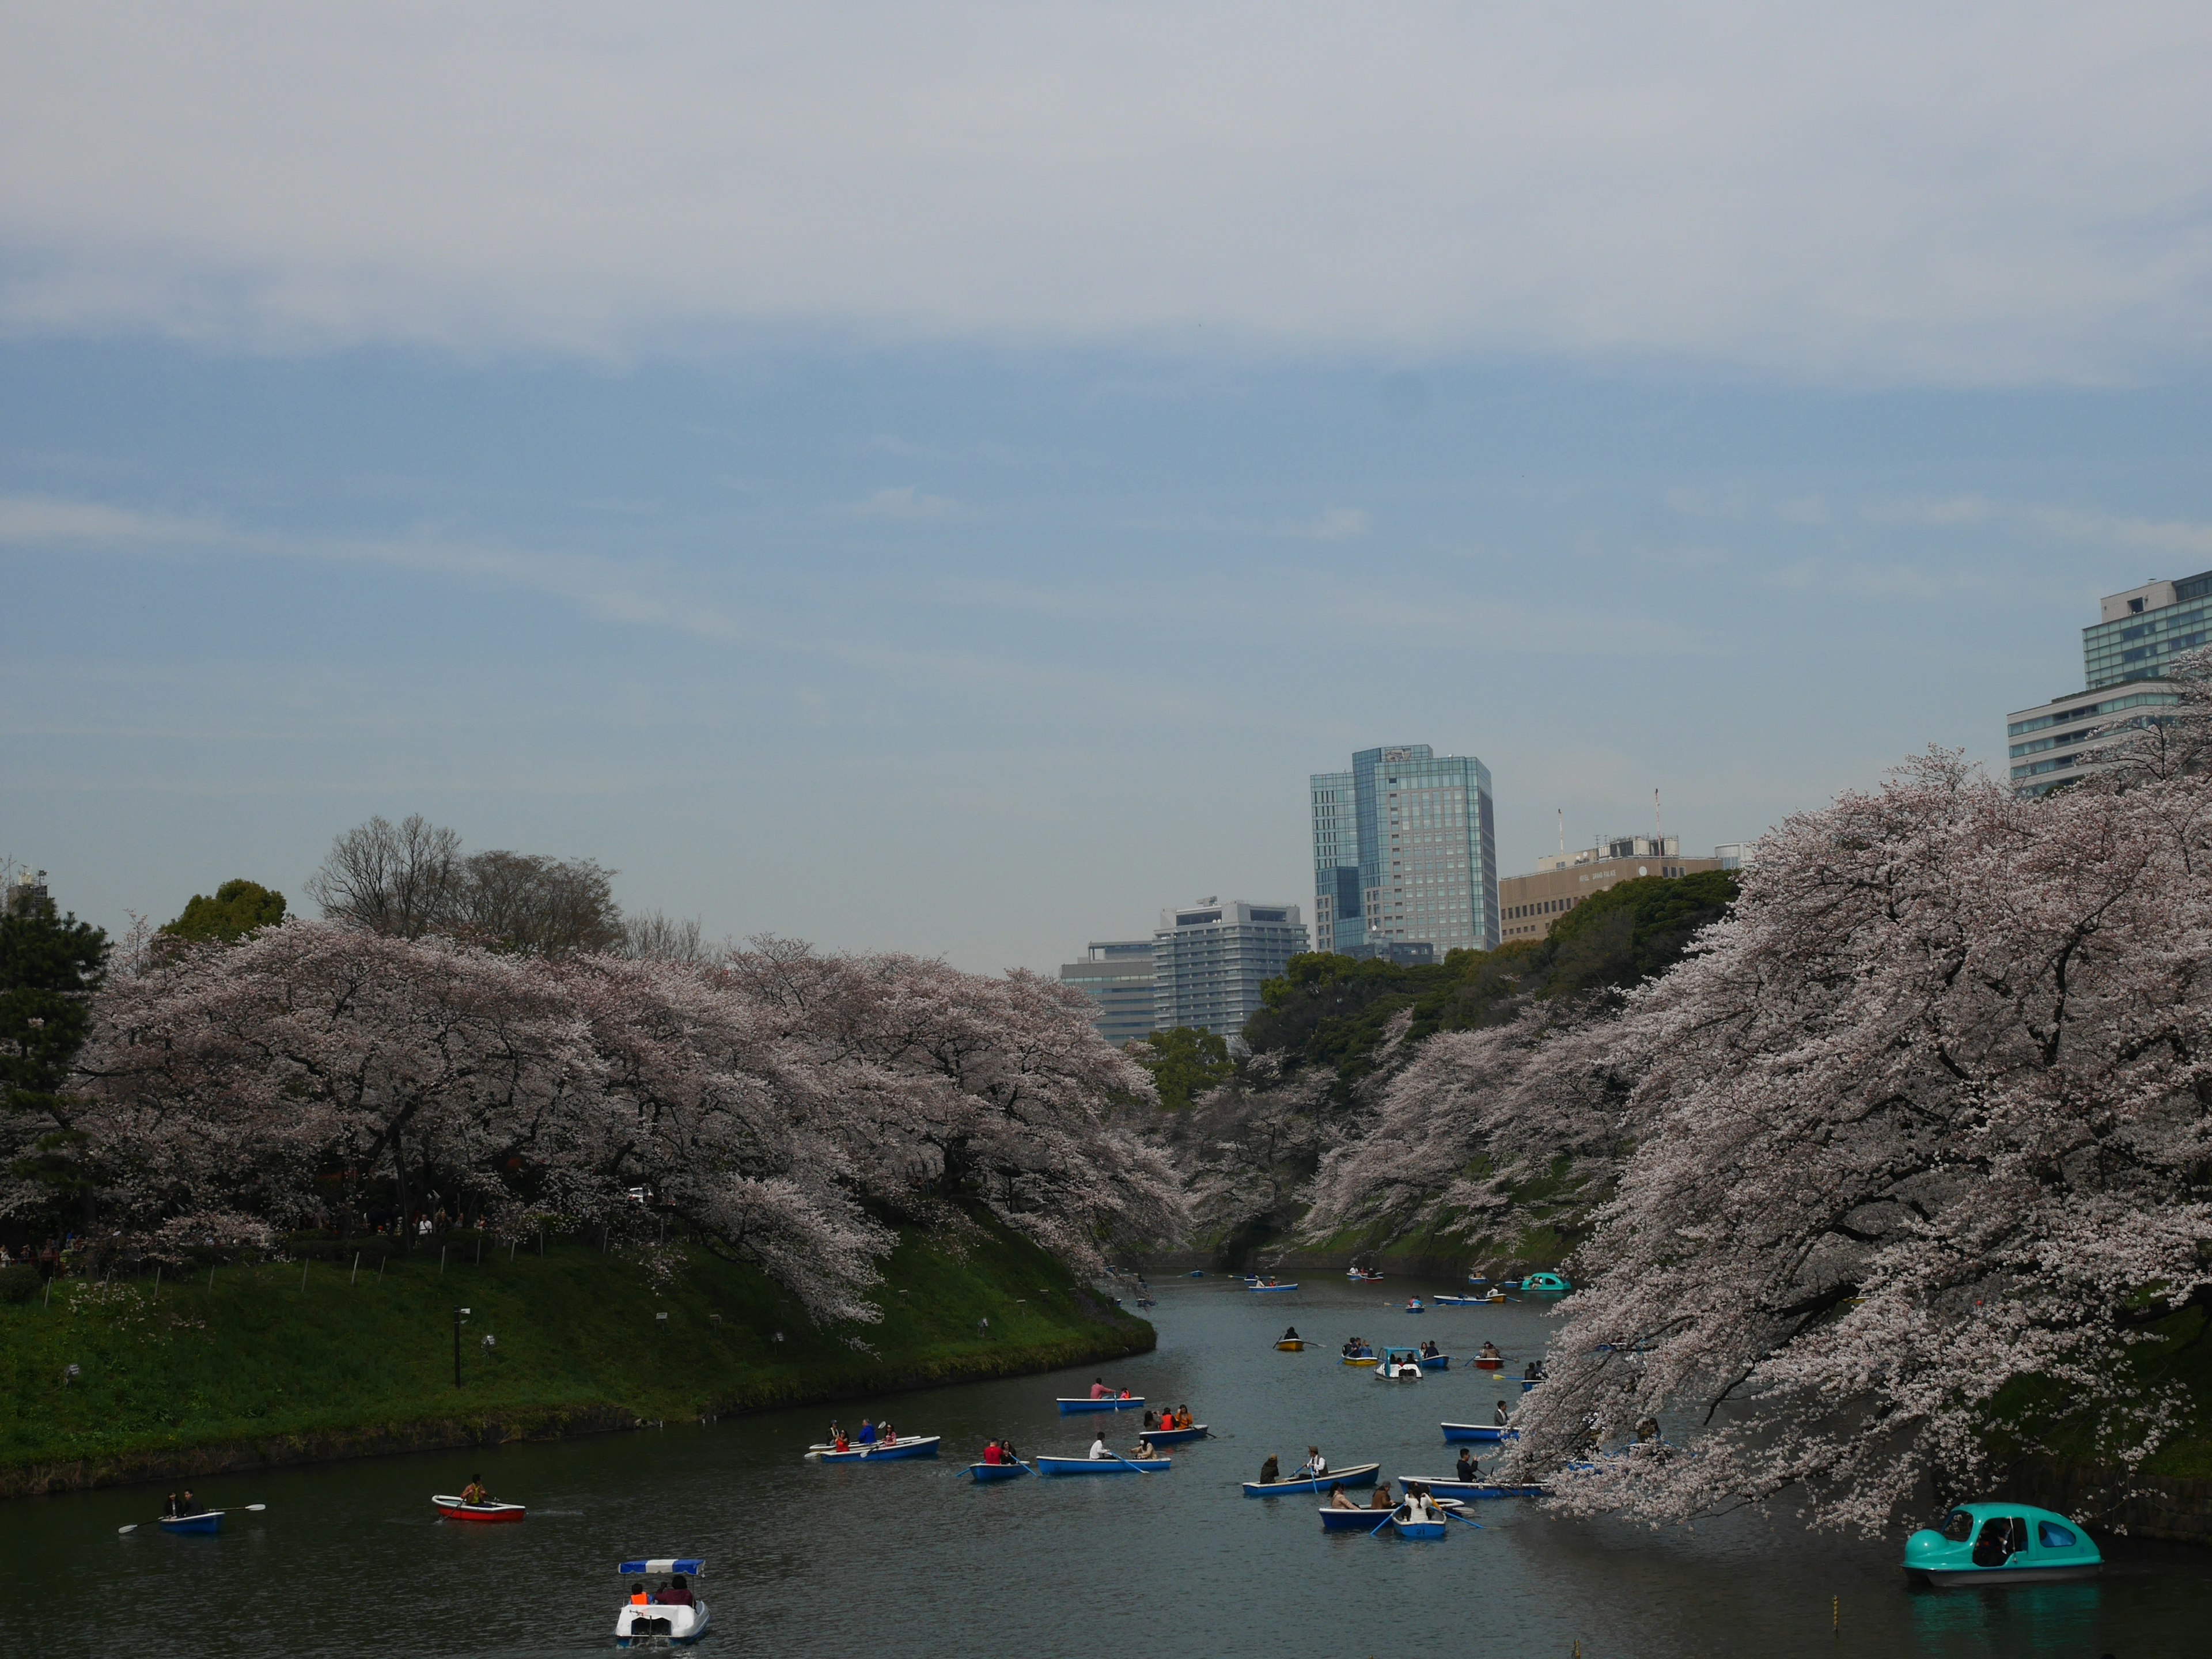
{"x": 1173, "y": 1436}
{"x": 1361, "y": 1360}
{"x": 1461, "y": 1301}
{"x": 1290, "y": 1347}
{"x": 1070, "y": 1407}
{"x": 1423, "y": 1530}
{"x": 211, "y": 1520}
{"x": 921, "y": 1446}
{"x": 1351, "y": 1520}
{"x": 1269, "y": 1290}
{"x": 1470, "y": 1491}
{"x": 1436, "y": 1362}
{"x": 1359, "y": 1474}
{"x": 1101, "y": 1466}
{"x": 656, "y": 1626}
{"x": 482, "y": 1514}
{"x": 984, "y": 1472}
{"x": 1479, "y": 1433}
{"x": 1999, "y": 1575}
{"x": 1490, "y": 1365}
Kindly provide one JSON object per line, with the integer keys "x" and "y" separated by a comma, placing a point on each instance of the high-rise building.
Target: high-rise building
{"x": 1117, "y": 975}
{"x": 2124, "y": 657}
{"x": 1210, "y": 959}
{"x": 1405, "y": 852}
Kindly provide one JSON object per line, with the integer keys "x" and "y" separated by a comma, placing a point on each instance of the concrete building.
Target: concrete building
{"x": 1405, "y": 852}
{"x": 1209, "y": 960}
{"x": 1529, "y": 905}
{"x": 2124, "y": 654}
{"x": 1117, "y": 975}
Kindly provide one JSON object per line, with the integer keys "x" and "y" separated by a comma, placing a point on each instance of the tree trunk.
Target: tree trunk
{"x": 399, "y": 1181}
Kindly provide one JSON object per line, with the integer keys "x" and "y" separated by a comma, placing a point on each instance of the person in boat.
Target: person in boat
{"x": 837, "y": 1442}
{"x": 474, "y": 1493}
{"x": 1124, "y": 1394}
{"x": 1317, "y": 1465}
{"x": 1098, "y": 1388}
{"x": 677, "y": 1593}
{"x": 867, "y": 1432}
{"x": 1428, "y": 1349}
{"x": 1337, "y": 1500}
{"x": 1149, "y": 1421}
{"x": 1490, "y": 1352}
{"x": 991, "y": 1452}
{"x": 1501, "y": 1417}
{"x": 885, "y": 1434}
{"x": 638, "y": 1598}
{"x": 1099, "y": 1454}
{"x": 1647, "y": 1429}
{"x": 1271, "y": 1472}
{"x": 1381, "y": 1500}
{"x": 1533, "y": 1371}
{"x": 1183, "y": 1418}
{"x": 169, "y": 1511}
{"x": 1468, "y": 1469}
{"x": 1007, "y": 1454}
{"x": 1291, "y": 1335}
{"x": 190, "y": 1504}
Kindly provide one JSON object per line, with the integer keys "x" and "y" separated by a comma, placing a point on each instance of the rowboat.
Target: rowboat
{"x": 1361, "y": 1360}
{"x": 1195, "y": 1272}
{"x": 1101, "y": 1465}
{"x": 1359, "y": 1474}
{"x": 1489, "y": 1362}
{"x": 923, "y": 1445}
{"x": 1445, "y": 1486}
{"x": 1425, "y": 1530}
{"x": 1436, "y": 1362}
{"x": 1362, "y": 1520}
{"x": 1360, "y": 1276}
{"x": 980, "y": 1473}
{"x": 1529, "y": 1382}
{"x": 1265, "y": 1290}
{"x": 1292, "y": 1345}
{"x": 1413, "y": 1305}
{"x": 656, "y": 1622}
{"x": 1173, "y": 1437}
{"x": 1992, "y": 1543}
{"x": 206, "y": 1521}
{"x": 1132, "y": 1402}
{"x": 454, "y": 1510}
{"x": 1489, "y": 1433}
{"x": 1459, "y": 1300}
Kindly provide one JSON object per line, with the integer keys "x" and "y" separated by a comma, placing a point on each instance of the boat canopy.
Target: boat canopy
{"x": 689, "y": 1565}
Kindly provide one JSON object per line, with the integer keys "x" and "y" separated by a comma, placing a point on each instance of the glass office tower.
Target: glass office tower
{"x": 1416, "y": 831}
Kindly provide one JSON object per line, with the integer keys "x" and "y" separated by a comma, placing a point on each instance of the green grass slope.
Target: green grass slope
{"x": 259, "y": 1370}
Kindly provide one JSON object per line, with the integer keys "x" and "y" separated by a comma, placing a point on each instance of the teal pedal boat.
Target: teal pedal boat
{"x": 2002, "y": 1544}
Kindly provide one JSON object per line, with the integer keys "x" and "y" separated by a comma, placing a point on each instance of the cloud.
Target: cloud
{"x": 1882, "y": 193}
{"x": 1338, "y": 524}
{"x": 907, "y": 505}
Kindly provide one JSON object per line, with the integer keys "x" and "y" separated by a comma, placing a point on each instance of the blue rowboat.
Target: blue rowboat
{"x": 1173, "y": 1436}
{"x": 1487, "y": 1433}
{"x": 1359, "y": 1474}
{"x": 1529, "y": 1382}
{"x": 1460, "y": 1301}
{"x": 1267, "y": 1290}
{"x": 2002, "y": 1544}
{"x": 1101, "y": 1465}
{"x": 1436, "y": 1362}
{"x": 923, "y": 1445}
{"x": 982, "y": 1471}
{"x": 1195, "y": 1272}
{"x": 1444, "y": 1487}
{"x": 206, "y": 1521}
{"x": 1135, "y": 1402}
{"x": 1425, "y": 1530}
{"x": 1351, "y": 1520}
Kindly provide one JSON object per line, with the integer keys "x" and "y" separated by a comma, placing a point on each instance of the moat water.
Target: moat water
{"x": 908, "y": 1558}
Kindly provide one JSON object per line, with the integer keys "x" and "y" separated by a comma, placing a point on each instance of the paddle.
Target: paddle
{"x": 1386, "y": 1520}
{"x": 1111, "y": 1452}
{"x": 249, "y": 1508}
{"x": 1453, "y": 1514}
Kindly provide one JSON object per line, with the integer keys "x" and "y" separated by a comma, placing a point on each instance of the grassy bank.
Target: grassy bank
{"x": 261, "y": 1369}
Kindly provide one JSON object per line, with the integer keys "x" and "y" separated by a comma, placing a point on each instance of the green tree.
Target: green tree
{"x": 50, "y": 966}
{"x": 237, "y": 909}
{"x": 1184, "y": 1063}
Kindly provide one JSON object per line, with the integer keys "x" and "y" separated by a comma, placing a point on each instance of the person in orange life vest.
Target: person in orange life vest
{"x": 638, "y": 1598}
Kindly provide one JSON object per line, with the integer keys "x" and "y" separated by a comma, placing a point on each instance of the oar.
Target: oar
{"x": 249, "y": 1508}
{"x": 1386, "y": 1519}
{"x": 1112, "y": 1452}
{"x": 1453, "y": 1514}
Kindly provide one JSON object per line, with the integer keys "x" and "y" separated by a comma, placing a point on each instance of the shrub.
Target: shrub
{"x": 19, "y": 1284}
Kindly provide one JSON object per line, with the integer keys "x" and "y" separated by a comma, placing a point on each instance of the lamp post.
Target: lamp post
{"x": 460, "y": 1317}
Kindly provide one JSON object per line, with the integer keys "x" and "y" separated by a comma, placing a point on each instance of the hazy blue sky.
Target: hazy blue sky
{"x": 942, "y": 477}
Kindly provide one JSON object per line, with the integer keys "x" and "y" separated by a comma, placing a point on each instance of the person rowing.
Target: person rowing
{"x": 1468, "y": 1469}
{"x": 1337, "y": 1499}
{"x": 1316, "y": 1465}
{"x": 1291, "y": 1335}
{"x": 1098, "y": 1388}
{"x": 1099, "y": 1453}
{"x": 474, "y": 1493}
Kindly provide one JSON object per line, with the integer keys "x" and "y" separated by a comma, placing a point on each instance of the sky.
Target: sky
{"x": 941, "y": 478}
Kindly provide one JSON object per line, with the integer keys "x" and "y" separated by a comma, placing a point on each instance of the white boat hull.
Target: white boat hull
{"x": 655, "y": 1626}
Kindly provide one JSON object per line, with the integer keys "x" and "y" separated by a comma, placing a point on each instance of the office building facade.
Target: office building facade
{"x": 1529, "y": 905}
{"x": 1116, "y": 974}
{"x": 2123, "y": 658}
{"x": 1210, "y": 959}
{"x": 1405, "y": 853}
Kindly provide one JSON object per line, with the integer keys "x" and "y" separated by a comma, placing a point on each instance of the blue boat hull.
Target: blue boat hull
{"x": 923, "y": 1446}
{"x": 1175, "y": 1437}
{"x": 1461, "y": 1301}
{"x": 1361, "y": 1475}
{"x": 1134, "y": 1403}
{"x": 1268, "y": 1290}
{"x": 1480, "y": 1433}
{"x": 1473, "y": 1490}
{"x": 1436, "y": 1362}
{"x": 1351, "y": 1520}
{"x": 1101, "y": 1466}
{"x": 983, "y": 1471}
{"x": 210, "y": 1522}
{"x": 1425, "y": 1530}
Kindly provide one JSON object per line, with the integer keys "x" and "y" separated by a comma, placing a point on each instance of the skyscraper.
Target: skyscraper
{"x": 1405, "y": 852}
{"x": 2124, "y": 657}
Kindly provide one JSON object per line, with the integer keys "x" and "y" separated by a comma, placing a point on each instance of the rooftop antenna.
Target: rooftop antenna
{"x": 1658, "y": 823}
{"x": 1562, "y": 812}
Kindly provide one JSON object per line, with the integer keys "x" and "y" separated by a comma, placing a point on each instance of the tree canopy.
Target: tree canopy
{"x": 1185, "y": 1062}
{"x": 238, "y": 909}
{"x": 51, "y": 966}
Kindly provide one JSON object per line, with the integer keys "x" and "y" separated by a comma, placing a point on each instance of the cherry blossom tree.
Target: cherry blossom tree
{"x": 1922, "y": 1155}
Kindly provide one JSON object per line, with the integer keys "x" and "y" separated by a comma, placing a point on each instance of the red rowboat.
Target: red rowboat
{"x": 453, "y": 1509}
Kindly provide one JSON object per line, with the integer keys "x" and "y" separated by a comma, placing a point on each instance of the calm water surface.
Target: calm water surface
{"x": 903, "y": 1558}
